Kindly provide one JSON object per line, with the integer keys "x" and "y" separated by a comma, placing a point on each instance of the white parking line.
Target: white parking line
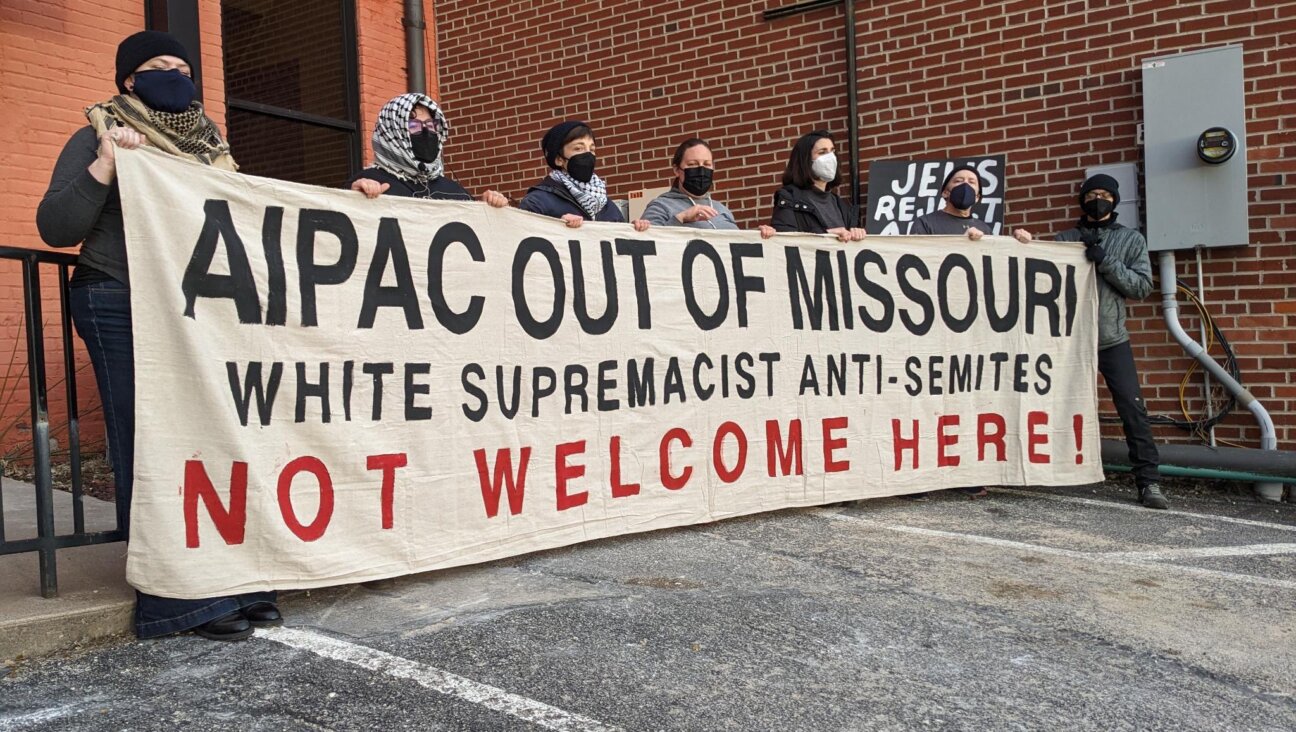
{"x": 1067, "y": 553}
{"x": 444, "y": 682}
{"x": 1141, "y": 509}
{"x": 1245, "y": 550}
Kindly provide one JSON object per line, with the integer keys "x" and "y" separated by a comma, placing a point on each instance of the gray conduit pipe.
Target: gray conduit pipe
{"x": 1170, "y": 311}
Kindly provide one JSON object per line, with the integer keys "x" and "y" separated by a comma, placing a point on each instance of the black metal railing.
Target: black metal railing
{"x": 48, "y": 540}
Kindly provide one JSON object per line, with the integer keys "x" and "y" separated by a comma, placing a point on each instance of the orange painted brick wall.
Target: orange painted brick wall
{"x": 1052, "y": 84}
{"x": 56, "y": 58}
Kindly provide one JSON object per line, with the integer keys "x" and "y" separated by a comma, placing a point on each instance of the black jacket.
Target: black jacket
{"x": 794, "y": 212}
{"x": 440, "y": 188}
{"x": 551, "y": 198}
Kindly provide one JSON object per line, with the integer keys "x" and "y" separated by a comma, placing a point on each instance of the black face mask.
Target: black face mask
{"x": 581, "y": 167}
{"x": 427, "y": 146}
{"x": 697, "y": 181}
{"x": 963, "y": 196}
{"x": 1097, "y": 208}
{"x": 166, "y": 90}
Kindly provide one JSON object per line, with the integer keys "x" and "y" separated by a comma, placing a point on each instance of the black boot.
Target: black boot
{"x": 263, "y": 615}
{"x": 232, "y": 627}
{"x": 1150, "y": 495}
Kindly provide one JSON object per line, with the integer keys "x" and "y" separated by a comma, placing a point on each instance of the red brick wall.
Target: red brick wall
{"x": 1054, "y": 85}
{"x": 382, "y": 59}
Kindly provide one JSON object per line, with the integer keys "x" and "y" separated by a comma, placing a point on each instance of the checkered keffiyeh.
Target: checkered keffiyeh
{"x": 391, "y": 139}
{"x": 592, "y": 196}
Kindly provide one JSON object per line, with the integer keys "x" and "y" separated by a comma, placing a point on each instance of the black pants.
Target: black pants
{"x": 1117, "y": 366}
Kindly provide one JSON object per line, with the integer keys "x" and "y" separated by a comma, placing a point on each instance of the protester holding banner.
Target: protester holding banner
{"x": 572, "y": 191}
{"x": 408, "y": 142}
{"x": 961, "y": 190}
{"x": 688, "y": 202}
{"x": 1121, "y": 258}
{"x": 806, "y": 202}
{"x": 156, "y": 107}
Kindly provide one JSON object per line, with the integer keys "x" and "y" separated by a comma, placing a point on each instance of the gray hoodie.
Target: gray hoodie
{"x": 664, "y": 208}
{"x": 1124, "y": 273}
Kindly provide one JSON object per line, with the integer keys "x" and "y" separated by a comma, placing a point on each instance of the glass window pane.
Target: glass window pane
{"x": 287, "y": 54}
{"x": 289, "y": 150}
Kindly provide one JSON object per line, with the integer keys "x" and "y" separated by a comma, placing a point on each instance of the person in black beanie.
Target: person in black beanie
{"x": 572, "y": 191}
{"x": 1125, "y": 272}
{"x": 156, "y": 106}
{"x": 961, "y": 190}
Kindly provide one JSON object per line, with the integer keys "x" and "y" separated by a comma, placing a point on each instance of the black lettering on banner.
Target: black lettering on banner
{"x": 1043, "y": 299}
{"x": 539, "y": 390}
{"x": 882, "y": 295}
{"x": 413, "y": 389}
{"x": 538, "y": 329}
{"x": 276, "y": 280}
{"x": 674, "y": 382}
{"x": 699, "y": 248}
{"x": 238, "y": 285}
{"x": 825, "y": 292}
{"x": 910, "y": 263}
{"x": 307, "y": 390}
{"x": 703, "y": 392}
{"x": 310, "y": 223}
{"x": 265, "y": 392}
{"x": 1071, "y": 297}
{"x": 477, "y": 413}
{"x": 1007, "y": 321}
{"x": 390, "y": 247}
{"x": 744, "y": 284}
{"x": 743, "y": 363}
{"x": 1043, "y": 369}
{"x": 348, "y": 382}
{"x": 809, "y": 379}
{"x": 642, "y": 390}
{"x": 607, "y": 383}
{"x": 913, "y": 364}
{"x": 457, "y": 322}
{"x": 948, "y": 265}
{"x": 844, "y": 284}
{"x": 575, "y": 381}
{"x": 508, "y": 407}
{"x": 637, "y": 249}
{"x": 377, "y": 370}
{"x": 960, "y": 374}
{"x": 603, "y": 323}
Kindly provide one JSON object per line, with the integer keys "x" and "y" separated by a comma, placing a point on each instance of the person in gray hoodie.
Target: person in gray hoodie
{"x": 688, "y": 202}
{"x": 1124, "y": 272}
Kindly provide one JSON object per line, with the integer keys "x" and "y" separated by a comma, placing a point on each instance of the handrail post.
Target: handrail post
{"x": 40, "y": 428}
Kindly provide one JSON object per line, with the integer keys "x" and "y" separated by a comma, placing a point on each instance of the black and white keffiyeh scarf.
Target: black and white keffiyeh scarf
{"x": 592, "y": 196}
{"x": 391, "y": 139}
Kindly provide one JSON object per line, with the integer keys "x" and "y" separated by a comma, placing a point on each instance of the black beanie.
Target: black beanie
{"x": 969, "y": 167}
{"x": 1104, "y": 182}
{"x": 552, "y": 143}
{"x": 141, "y": 47}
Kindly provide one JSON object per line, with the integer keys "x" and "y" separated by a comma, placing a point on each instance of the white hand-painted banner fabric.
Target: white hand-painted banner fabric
{"x": 333, "y": 389}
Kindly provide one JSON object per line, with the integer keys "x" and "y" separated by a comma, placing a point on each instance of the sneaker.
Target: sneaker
{"x": 1150, "y": 495}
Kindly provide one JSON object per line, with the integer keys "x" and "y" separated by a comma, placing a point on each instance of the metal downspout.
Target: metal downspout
{"x": 415, "y": 49}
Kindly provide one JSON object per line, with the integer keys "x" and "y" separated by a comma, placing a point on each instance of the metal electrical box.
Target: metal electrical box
{"x": 1195, "y": 195}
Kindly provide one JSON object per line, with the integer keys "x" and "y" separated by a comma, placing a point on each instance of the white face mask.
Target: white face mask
{"x": 825, "y": 167}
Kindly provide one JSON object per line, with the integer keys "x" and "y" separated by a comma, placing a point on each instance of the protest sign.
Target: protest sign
{"x": 902, "y": 190}
{"x": 334, "y": 389}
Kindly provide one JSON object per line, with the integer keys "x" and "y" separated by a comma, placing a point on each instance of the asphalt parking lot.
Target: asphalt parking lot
{"x": 1029, "y": 609}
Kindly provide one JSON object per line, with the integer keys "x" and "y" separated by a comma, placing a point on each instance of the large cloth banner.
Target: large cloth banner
{"x": 333, "y": 389}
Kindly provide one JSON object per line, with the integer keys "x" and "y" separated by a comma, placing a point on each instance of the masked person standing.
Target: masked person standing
{"x": 960, "y": 191}
{"x": 688, "y": 202}
{"x": 408, "y": 141}
{"x": 155, "y": 107}
{"x": 572, "y": 191}
{"x": 806, "y": 202}
{"x": 1124, "y": 271}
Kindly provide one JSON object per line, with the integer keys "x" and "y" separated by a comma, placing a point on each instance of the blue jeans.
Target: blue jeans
{"x": 101, "y": 312}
